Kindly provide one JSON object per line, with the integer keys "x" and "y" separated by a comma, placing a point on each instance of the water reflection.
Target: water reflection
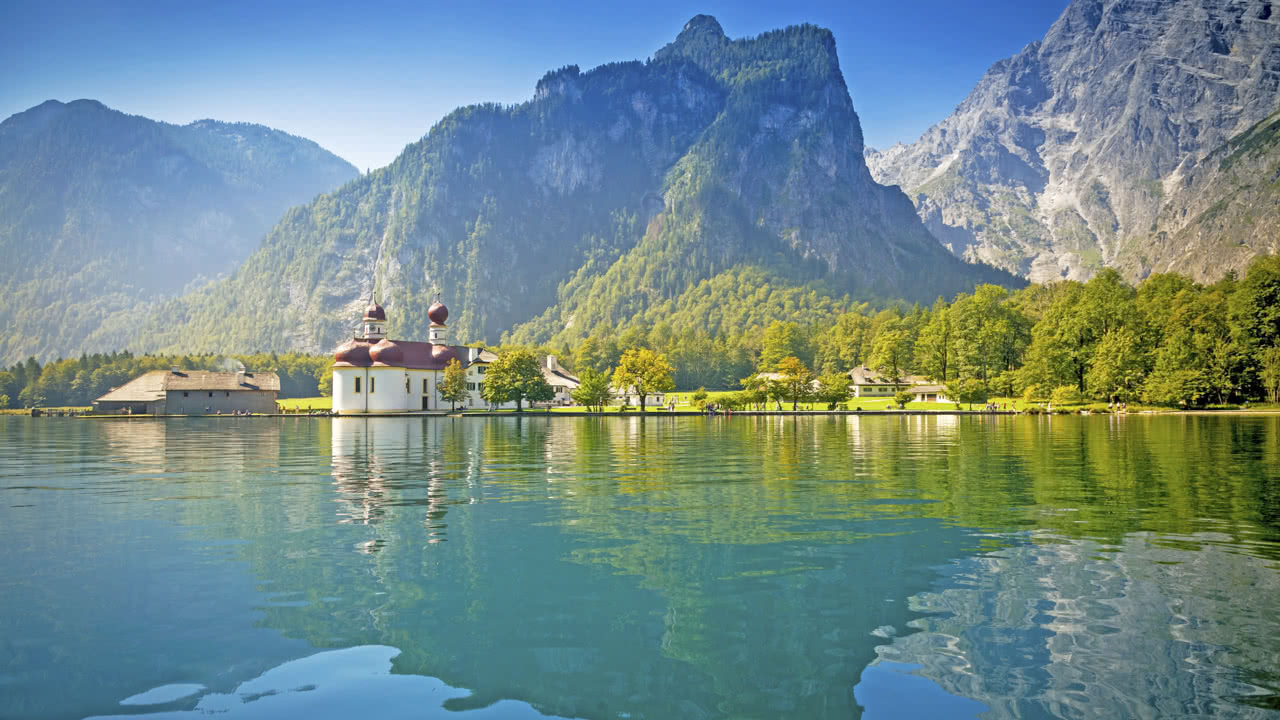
{"x": 655, "y": 567}
{"x": 355, "y": 682}
{"x": 1059, "y": 628}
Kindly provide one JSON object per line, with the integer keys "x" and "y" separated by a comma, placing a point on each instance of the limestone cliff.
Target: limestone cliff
{"x": 1062, "y": 158}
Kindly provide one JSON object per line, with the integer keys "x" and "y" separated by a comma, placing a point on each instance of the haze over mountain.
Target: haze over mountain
{"x": 101, "y": 212}
{"x": 689, "y": 188}
{"x": 1097, "y": 145}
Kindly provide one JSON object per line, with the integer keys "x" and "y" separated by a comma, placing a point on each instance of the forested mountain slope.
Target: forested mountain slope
{"x": 611, "y": 194}
{"x": 102, "y": 211}
{"x": 1063, "y": 157}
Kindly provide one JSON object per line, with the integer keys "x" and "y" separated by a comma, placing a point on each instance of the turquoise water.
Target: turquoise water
{"x": 811, "y": 567}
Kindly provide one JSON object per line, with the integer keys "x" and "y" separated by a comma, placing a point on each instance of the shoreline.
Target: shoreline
{"x": 747, "y": 413}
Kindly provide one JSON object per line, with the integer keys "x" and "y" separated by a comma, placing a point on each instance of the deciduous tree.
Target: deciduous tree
{"x": 644, "y": 371}
{"x": 516, "y": 377}
{"x": 453, "y": 386}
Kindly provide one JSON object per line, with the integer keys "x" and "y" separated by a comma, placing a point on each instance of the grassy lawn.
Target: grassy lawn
{"x": 304, "y": 404}
{"x": 27, "y": 411}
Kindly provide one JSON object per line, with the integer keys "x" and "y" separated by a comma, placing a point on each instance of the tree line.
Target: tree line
{"x": 80, "y": 381}
{"x": 1169, "y": 341}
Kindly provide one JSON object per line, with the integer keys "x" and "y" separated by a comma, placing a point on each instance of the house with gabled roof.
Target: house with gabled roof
{"x": 192, "y": 392}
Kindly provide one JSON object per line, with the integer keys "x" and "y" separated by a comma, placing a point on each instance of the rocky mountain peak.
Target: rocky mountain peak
{"x": 701, "y": 25}
{"x": 1059, "y": 160}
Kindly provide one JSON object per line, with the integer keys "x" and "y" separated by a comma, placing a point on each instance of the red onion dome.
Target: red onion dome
{"x": 375, "y": 312}
{"x": 353, "y": 353}
{"x": 387, "y": 353}
{"x": 438, "y": 313}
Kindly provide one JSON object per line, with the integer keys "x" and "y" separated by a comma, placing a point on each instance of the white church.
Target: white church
{"x": 373, "y": 374}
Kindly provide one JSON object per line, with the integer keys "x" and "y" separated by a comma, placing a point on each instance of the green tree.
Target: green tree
{"x": 4, "y": 401}
{"x": 516, "y": 377}
{"x": 593, "y": 390}
{"x": 969, "y": 390}
{"x": 843, "y": 346}
{"x": 1118, "y": 367}
{"x": 902, "y": 397}
{"x": 933, "y": 346}
{"x": 453, "y": 386}
{"x": 892, "y": 351}
{"x": 1065, "y": 395}
{"x": 700, "y": 398}
{"x": 755, "y": 390}
{"x": 834, "y": 389}
{"x": 595, "y": 353}
{"x": 782, "y": 340}
{"x": 1270, "y": 372}
{"x": 1176, "y": 388}
{"x": 644, "y": 371}
{"x": 796, "y": 381}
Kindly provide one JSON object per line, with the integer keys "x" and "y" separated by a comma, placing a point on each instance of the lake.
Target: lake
{"x": 746, "y": 567}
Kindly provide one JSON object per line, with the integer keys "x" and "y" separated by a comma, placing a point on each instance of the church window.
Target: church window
{"x": 357, "y": 384}
{"x": 406, "y": 385}
{"x": 372, "y": 384}
{"x": 424, "y": 386}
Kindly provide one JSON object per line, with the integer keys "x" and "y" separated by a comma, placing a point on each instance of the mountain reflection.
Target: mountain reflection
{"x": 653, "y": 567}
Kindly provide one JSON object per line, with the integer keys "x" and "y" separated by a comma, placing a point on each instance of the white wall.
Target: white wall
{"x": 345, "y": 399}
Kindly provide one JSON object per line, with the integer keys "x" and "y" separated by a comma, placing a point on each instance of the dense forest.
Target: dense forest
{"x": 1169, "y": 341}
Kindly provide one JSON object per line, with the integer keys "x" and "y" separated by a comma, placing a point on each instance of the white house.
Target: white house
{"x": 561, "y": 381}
{"x": 374, "y": 374}
{"x": 931, "y": 393}
{"x": 869, "y": 383}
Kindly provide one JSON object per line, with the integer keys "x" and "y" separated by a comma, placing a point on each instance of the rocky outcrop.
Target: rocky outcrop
{"x": 1061, "y": 159}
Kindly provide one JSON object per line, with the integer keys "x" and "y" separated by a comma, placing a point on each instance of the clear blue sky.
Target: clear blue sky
{"x": 363, "y": 79}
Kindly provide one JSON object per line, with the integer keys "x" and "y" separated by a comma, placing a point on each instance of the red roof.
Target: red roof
{"x": 397, "y": 353}
{"x": 375, "y": 312}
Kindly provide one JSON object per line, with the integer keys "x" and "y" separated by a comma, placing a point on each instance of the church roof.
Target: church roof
{"x": 398, "y": 353}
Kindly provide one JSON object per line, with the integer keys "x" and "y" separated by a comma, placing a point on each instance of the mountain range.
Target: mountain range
{"x": 103, "y": 213}
{"x": 720, "y": 185}
{"x": 1098, "y": 145}
{"x": 612, "y": 197}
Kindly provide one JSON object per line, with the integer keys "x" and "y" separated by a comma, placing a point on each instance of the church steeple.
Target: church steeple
{"x": 375, "y": 320}
{"x": 437, "y": 314}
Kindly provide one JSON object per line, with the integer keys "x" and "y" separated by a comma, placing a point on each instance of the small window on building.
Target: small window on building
{"x": 471, "y": 386}
{"x": 373, "y": 385}
{"x": 406, "y": 385}
{"x": 424, "y": 386}
{"x": 481, "y": 369}
{"x": 226, "y": 394}
{"x": 357, "y": 384}
{"x": 211, "y": 394}
{"x": 184, "y": 393}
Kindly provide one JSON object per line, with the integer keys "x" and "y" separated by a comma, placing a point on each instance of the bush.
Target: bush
{"x": 700, "y": 398}
{"x": 1031, "y": 394}
{"x": 1065, "y": 395}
